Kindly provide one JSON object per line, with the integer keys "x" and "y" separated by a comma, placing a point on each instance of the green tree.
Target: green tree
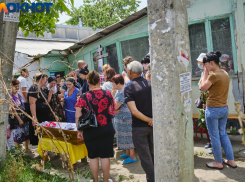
{"x": 102, "y": 13}
{"x": 38, "y": 23}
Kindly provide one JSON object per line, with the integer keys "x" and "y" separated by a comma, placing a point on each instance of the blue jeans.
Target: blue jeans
{"x": 216, "y": 119}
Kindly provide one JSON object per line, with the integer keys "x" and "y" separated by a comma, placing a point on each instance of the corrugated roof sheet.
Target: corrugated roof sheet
{"x": 108, "y": 30}
{"x": 37, "y": 47}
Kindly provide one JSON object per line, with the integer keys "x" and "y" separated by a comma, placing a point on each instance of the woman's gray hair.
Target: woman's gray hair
{"x": 135, "y": 67}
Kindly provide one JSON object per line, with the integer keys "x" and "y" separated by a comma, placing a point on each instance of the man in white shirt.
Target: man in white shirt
{"x": 24, "y": 86}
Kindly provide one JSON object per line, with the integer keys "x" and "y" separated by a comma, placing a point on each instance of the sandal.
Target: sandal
{"x": 211, "y": 165}
{"x": 226, "y": 163}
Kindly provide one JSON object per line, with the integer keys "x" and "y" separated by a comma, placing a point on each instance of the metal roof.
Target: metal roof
{"x": 108, "y": 30}
{"x": 37, "y": 48}
{"x": 64, "y": 33}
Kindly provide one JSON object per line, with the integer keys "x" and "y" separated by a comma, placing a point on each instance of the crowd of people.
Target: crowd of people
{"x": 118, "y": 108}
{"x": 123, "y": 108}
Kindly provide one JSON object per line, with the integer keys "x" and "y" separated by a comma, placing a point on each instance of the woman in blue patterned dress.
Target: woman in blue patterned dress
{"x": 123, "y": 121}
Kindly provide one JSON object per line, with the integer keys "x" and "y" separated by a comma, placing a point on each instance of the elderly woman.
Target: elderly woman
{"x": 98, "y": 140}
{"x": 123, "y": 121}
{"x": 109, "y": 73}
{"x": 52, "y": 90}
{"x": 39, "y": 108}
{"x": 70, "y": 99}
{"x": 216, "y": 114}
{"x": 19, "y": 126}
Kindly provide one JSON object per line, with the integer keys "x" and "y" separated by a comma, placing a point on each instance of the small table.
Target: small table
{"x": 196, "y": 116}
{"x": 76, "y": 152}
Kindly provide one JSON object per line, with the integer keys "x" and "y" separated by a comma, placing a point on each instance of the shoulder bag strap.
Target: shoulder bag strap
{"x": 89, "y": 105}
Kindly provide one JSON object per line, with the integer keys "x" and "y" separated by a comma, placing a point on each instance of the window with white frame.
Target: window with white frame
{"x": 212, "y": 35}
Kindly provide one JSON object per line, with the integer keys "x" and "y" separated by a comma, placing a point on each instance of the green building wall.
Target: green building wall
{"x": 135, "y": 30}
{"x": 54, "y": 63}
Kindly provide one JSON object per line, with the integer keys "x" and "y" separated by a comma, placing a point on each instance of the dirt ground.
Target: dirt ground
{"x": 134, "y": 172}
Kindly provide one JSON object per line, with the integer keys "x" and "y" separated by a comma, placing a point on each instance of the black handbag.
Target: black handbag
{"x": 14, "y": 121}
{"x": 87, "y": 120}
{"x": 199, "y": 103}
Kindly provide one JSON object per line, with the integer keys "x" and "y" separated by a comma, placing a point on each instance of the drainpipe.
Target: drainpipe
{"x": 80, "y": 21}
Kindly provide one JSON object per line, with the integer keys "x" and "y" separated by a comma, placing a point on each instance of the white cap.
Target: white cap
{"x": 201, "y": 56}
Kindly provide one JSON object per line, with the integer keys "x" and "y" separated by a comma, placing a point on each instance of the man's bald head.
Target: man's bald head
{"x": 80, "y": 64}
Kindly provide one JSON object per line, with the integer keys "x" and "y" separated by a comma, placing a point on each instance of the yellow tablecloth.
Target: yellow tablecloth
{"x": 76, "y": 152}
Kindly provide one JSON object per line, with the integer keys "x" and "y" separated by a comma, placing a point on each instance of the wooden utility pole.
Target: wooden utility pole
{"x": 171, "y": 90}
{"x": 8, "y": 33}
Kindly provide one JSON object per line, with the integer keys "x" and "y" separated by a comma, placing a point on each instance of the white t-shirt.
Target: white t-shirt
{"x": 107, "y": 86}
{"x": 23, "y": 83}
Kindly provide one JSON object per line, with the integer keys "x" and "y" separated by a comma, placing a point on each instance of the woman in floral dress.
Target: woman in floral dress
{"x": 98, "y": 140}
{"x": 123, "y": 121}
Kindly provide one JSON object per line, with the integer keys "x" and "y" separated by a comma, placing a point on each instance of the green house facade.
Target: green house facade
{"x": 213, "y": 25}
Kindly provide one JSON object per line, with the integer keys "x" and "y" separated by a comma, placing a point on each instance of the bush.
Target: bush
{"x": 18, "y": 168}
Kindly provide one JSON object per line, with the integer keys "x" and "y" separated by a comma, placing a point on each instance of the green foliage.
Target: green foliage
{"x": 122, "y": 177}
{"x": 102, "y": 13}
{"x": 38, "y": 23}
{"x": 201, "y": 153}
{"x": 233, "y": 131}
{"x": 88, "y": 174}
{"x": 19, "y": 168}
{"x": 204, "y": 97}
{"x": 131, "y": 176}
{"x": 201, "y": 120}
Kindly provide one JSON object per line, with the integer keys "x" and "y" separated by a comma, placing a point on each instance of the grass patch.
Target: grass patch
{"x": 88, "y": 174}
{"x": 18, "y": 168}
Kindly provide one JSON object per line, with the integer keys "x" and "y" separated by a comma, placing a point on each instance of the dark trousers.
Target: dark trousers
{"x": 143, "y": 143}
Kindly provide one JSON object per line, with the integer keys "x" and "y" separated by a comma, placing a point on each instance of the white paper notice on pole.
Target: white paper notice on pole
{"x": 14, "y": 17}
{"x": 185, "y": 82}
